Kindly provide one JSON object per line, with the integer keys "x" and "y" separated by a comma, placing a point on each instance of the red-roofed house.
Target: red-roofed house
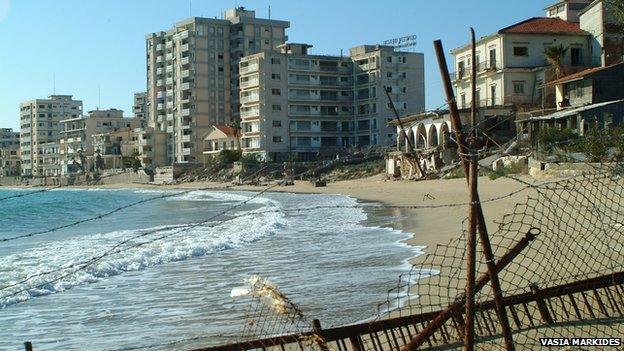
{"x": 220, "y": 137}
{"x": 512, "y": 67}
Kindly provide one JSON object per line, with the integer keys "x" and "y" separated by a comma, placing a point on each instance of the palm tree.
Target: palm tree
{"x": 235, "y": 124}
{"x": 554, "y": 56}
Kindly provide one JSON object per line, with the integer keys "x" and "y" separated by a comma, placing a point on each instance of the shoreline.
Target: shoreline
{"x": 430, "y": 223}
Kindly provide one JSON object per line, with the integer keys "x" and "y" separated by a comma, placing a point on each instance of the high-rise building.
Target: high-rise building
{"x": 140, "y": 106}
{"x": 192, "y": 74}
{"x": 295, "y": 102}
{"x": 40, "y": 124}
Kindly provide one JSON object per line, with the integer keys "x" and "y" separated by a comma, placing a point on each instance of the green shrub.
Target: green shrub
{"x": 250, "y": 160}
{"x": 226, "y": 157}
{"x": 548, "y": 137}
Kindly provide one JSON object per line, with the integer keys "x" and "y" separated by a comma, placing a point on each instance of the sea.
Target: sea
{"x": 92, "y": 271}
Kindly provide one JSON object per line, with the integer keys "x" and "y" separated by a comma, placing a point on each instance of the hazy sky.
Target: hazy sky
{"x": 86, "y": 44}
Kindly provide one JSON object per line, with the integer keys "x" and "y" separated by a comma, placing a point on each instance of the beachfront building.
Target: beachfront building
{"x": 140, "y": 107}
{"x": 40, "y": 124}
{"x": 76, "y": 134}
{"x": 9, "y": 153}
{"x": 593, "y": 98}
{"x": 294, "y": 102}
{"x": 146, "y": 144}
{"x": 50, "y": 159}
{"x": 511, "y": 63}
{"x": 192, "y": 75}
{"x": 220, "y": 138}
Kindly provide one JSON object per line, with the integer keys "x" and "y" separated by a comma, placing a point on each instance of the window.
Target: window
{"x": 404, "y": 90}
{"x": 277, "y": 107}
{"x": 275, "y": 76}
{"x": 518, "y": 87}
{"x": 521, "y": 51}
{"x": 277, "y": 123}
{"x": 389, "y": 89}
{"x": 389, "y": 59}
{"x": 276, "y": 92}
{"x": 389, "y": 74}
{"x": 275, "y": 61}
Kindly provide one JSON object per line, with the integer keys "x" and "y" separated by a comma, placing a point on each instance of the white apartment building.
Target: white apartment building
{"x": 40, "y": 124}
{"x": 295, "y": 102}
{"x": 77, "y": 133}
{"x": 511, "y": 65}
{"x": 9, "y": 152}
{"x": 192, "y": 74}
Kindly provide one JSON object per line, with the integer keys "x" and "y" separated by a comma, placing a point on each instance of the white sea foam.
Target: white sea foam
{"x": 179, "y": 245}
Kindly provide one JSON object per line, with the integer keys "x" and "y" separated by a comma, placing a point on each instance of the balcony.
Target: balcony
{"x": 186, "y": 151}
{"x": 250, "y": 113}
{"x": 160, "y": 59}
{"x": 169, "y": 93}
{"x": 160, "y": 106}
{"x": 169, "y": 45}
{"x": 159, "y": 70}
{"x": 160, "y": 94}
{"x": 186, "y": 138}
{"x": 169, "y": 57}
{"x": 250, "y": 98}
{"x": 169, "y": 104}
{"x": 249, "y": 83}
{"x": 169, "y": 81}
{"x": 170, "y": 129}
{"x": 185, "y": 112}
{"x": 185, "y": 86}
{"x": 169, "y": 116}
{"x": 466, "y": 72}
{"x": 160, "y": 47}
{"x": 249, "y": 68}
{"x": 159, "y": 83}
{"x": 185, "y": 74}
{"x": 183, "y": 35}
{"x": 169, "y": 69}
{"x": 184, "y": 47}
{"x": 184, "y": 60}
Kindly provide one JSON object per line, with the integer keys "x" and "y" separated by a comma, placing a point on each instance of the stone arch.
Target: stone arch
{"x": 401, "y": 140}
{"x": 444, "y": 134}
{"x": 421, "y": 136}
{"x": 432, "y": 136}
{"x": 411, "y": 140}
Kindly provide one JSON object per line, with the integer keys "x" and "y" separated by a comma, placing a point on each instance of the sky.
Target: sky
{"x": 95, "y": 49}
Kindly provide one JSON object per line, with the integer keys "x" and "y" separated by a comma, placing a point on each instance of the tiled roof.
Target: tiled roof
{"x": 582, "y": 74}
{"x": 227, "y": 130}
{"x": 544, "y": 25}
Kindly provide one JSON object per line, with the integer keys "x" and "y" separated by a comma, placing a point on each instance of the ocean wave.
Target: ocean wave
{"x": 207, "y": 195}
{"x": 179, "y": 245}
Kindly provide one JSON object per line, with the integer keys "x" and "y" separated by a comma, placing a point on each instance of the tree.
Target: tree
{"x": 554, "y": 56}
{"x": 235, "y": 124}
{"x": 616, "y": 9}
